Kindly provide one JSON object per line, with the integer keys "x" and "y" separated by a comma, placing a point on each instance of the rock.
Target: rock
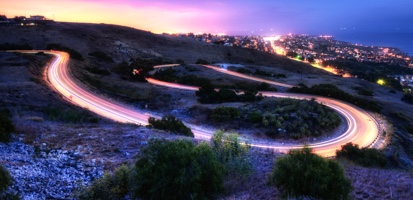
{"x": 55, "y": 176}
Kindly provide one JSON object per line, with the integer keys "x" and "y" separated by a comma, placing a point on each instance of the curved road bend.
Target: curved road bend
{"x": 362, "y": 129}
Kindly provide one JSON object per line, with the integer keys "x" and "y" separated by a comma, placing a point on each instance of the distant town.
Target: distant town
{"x": 24, "y": 21}
{"x": 314, "y": 49}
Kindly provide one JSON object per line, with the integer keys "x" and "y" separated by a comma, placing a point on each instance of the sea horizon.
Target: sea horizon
{"x": 403, "y": 40}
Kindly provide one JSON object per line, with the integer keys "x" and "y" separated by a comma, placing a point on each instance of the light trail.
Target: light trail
{"x": 362, "y": 129}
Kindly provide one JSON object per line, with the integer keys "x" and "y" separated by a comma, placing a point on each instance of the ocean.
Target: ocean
{"x": 398, "y": 39}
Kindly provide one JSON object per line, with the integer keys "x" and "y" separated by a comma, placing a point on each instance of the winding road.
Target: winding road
{"x": 361, "y": 127}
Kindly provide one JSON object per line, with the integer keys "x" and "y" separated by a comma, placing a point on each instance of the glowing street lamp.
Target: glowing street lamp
{"x": 381, "y": 82}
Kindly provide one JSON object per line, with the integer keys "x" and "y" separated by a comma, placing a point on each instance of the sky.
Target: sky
{"x": 258, "y": 17}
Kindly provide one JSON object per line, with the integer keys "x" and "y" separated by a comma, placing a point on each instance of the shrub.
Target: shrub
{"x": 366, "y": 157}
{"x": 5, "y": 179}
{"x": 178, "y": 170}
{"x": 232, "y": 153}
{"x": 304, "y": 174}
{"x": 329, "y": 90}
{"x": 202, "y": 62}
{"x": 110, "y": 186}
{"x": 408, "y": 98}
{"x": 222, "y": 114}
{"x": 69, "y": 115}
{"x": 207, "y": 94}
{"x": 12, "y": 46}
{"x": 171, "y": 124}
{"x": 73, "y": 53}
{"x": 101, "y": 55}
{"x": 96, "y": 70}
{"x": 6, "y": 127}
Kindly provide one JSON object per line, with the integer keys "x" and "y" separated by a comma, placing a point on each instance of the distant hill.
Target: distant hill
{"x": 123, "y": 43}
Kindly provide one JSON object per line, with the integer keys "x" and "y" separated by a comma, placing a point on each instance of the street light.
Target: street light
{"x": 381, "y": 82}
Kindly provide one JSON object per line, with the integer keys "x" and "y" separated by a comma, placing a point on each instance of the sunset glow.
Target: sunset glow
{"x": 261, "y": 17}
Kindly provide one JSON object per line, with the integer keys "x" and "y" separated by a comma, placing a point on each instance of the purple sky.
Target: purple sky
{"x": 230, "y": 16}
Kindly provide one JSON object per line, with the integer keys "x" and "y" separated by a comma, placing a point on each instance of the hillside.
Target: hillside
{"x": 99, "y": 145}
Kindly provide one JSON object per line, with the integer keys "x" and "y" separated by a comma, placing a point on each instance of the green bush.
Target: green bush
{"x": 366, "y": 157}
{"x": 232, "y": 153}
{"x": 110, "y": 186}
{"x": 6, "y": 127}
{"x": 291, "y": 118}
{"x": 171, "y": 124}
{"x": 304, "y": 174}
{"x": 178, "y": 170}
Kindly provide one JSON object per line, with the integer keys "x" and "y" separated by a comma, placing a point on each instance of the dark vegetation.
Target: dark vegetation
{"x": 178, "y": 170}
{"x": 367, "y": 157}
{"x": 208, "y": 95}
{"x": 291, "y": 118}
{"x": 73, "y": 53}
{"x": 111, "y": 186}
{"x": 175, "y": 170}
{"x": 6, "y": 126}
{"x": 224, "y": 114}
{"x": 5, "y": 182}
{"x": 137, "y": 69}
{"x": 169, "y": 75}
{"x": 278, "y": 118}
{"x": 69, "y": 115}
{"x": 408, "y": 98}
{"x": 12, "y": 46}
{"x": 363, "y": 91}
{"x": 202, "y": 62}
{"x": 171, "y": 124}
{"x": 304, "y": 175}
{"x": 5, "y": 179}
{"x": 329, "y": 90}
{"x": 371, "y": 71}
{"x": 98, "y": 71}
{"x": 260, "y": 73}
{"x": 102, "y": 56}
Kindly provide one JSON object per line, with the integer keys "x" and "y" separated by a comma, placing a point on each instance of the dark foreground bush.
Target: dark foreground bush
{"x": 178, "y": 170}
{"x": 6, "y": 127}
{"x": 5, "y": 179}
{"x": 304, "y": 174}
{"x": 73, "y": 53}
{"x": 171, "y": 124}
{"x": 12, "y": 46}
{"x": 366, "y": 157}
{"x": 101, "y": 55}
{"x": 110, "y": 186}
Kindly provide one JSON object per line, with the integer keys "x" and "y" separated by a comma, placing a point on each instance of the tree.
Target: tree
{"x": 304, "y": 174}
{"x": 178, "y": 170}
